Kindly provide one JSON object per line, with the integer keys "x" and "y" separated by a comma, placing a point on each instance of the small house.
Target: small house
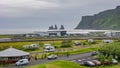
{"x": 11, "y": 55}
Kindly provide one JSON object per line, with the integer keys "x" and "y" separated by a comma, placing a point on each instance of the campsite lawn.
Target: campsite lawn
{"x": 68, "y": 64}
{"x": 58, "y": 64}
{"x": 109, "y": 66}
{"x": 61, "y": 51}
{"x": 19, "y": 45}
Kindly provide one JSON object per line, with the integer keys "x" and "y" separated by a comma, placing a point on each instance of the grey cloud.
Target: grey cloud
{"x": 69, "y": 14}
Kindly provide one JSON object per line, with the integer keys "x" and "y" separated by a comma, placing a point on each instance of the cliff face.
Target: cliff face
{"x": 106, "y": 20}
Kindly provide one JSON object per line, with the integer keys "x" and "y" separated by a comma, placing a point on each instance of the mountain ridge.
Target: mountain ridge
{"x": 105, "y": 20}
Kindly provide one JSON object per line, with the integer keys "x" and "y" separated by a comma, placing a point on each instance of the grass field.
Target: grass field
{"x": 61, "y": 51}
{"x": 110, "y": 66}
{"x": 6, "y": 36}
{"x": 19, "y": 45}
{"x": 58, "y": 64}
{"x": 67, "y": 64}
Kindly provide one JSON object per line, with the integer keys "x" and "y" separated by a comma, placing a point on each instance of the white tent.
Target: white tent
{"x": 12, "y": 52}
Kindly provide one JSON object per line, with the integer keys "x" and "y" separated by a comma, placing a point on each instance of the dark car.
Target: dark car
{"x": 94, "y": 53}
{"x": 88, "y": 63}
{"x": 76, "y": 43}
{"x": 52, "y": 57}
{"x": 96, "y": 62}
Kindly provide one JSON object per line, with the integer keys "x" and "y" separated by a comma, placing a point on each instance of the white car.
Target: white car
{"x": 88, "y": 63}
{"x": 22, "y": 62}
{"x": 52, "y": 57}
{"x": 114, "y": 61}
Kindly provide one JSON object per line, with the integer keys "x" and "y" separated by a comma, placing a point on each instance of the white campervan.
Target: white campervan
{"x": 48, "y": 48}
{"x": 32, "y": 46}
{"x": 107, "y": 41}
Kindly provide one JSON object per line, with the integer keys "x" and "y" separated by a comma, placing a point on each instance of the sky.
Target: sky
{"x": 30, "y": 15}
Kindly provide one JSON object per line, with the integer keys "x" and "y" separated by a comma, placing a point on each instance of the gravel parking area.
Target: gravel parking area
{"x": 75, "y": 57}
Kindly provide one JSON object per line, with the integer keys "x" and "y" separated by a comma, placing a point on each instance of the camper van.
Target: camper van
{"x": 107, "y": 41}
{"x": 32, "y": 46}
{"x": 48, "y": 48}
{"x": 90, "y": 40}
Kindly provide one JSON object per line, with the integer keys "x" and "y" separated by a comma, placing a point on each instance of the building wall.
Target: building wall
{"x": 113, "y": 34}
{"x": 53, "y": 33}
{"x": 42, "y": 33}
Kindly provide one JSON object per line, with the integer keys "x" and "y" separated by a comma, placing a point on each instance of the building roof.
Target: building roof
{"x": 59, "y": 30}
{"x": 12, "y": 52}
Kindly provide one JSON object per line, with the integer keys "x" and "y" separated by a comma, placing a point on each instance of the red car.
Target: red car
{"x": 106, "y": 62}
{"x": 96, "y": 62}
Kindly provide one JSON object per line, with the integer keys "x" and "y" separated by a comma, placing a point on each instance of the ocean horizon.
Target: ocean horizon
{"x": 24, "y": 31}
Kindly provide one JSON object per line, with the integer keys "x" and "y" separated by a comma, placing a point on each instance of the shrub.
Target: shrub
{"x": 66, "y": 43}
{"x": 112, "y": 49}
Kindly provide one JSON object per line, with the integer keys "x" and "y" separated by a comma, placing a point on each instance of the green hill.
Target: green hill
{"x": 106, "y": 20}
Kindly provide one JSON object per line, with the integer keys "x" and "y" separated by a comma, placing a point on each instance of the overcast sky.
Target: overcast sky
{"x": 40, "y": 14}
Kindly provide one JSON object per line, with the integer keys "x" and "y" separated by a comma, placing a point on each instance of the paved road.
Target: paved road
{"x": 70, "y": 58}
{"x": 53, "y": 39}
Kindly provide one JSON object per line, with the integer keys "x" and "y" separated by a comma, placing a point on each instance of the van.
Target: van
{"x": 22, "y": 62}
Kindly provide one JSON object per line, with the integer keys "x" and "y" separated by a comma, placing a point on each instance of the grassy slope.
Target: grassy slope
{"x": 67, "y": 64}
{"x": 58, "y": 64}
{"x": 108, "y": 19}
{"x": 110, "y": 66}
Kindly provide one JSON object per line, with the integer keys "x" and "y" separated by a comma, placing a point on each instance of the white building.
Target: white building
{"x": 57, "y": 32}
{"x": 42, "y": 33}
{"x": 113, "y": 34}
{"x": 53, "y": 31}
{"x": 5, "y": 39}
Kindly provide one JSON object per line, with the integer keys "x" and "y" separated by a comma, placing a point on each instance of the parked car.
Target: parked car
{"x": 96, "y": 62}
{"x": 52, "y": 57}
{"x": 76, "y": 43}
{"x": 106, "y": 62}
{"x": 114, "y": 61}
{"x": 88, "y": 63}
{"x": 94, "y": 53}
{"x": 22, "y": 62}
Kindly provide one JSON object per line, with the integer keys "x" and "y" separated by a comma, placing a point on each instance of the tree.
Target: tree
{"x": 112, "y": 49}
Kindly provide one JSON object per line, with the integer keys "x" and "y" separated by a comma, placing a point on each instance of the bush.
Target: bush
{"x": 66, "y": 43}
{"x": 112, "y": 49}
{"x": 85, "y": 43}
